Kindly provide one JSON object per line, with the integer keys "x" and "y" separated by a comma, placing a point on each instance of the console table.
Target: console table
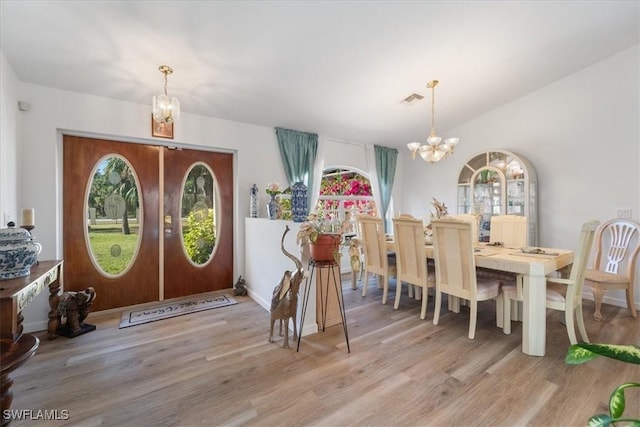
{"x": 16, "y": 294}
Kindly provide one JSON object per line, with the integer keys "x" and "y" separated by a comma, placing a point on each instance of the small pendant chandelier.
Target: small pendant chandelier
{"x": 435, "y": 149}
{"x": 165, "y": 111}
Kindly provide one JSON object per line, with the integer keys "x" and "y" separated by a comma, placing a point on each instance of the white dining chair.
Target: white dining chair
{"x": 618, "y": 245}
{"x": 456, "y": 268}
{"x": 411, "y": 262}
{"x": 510, "y": 230}
{"x": 376, "y": 258}
{"x": 562, "y": 294}
{"x": 471, "y": 219}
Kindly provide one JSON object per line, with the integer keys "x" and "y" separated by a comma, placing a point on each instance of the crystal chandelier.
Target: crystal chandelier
{"x": 435, "y": 149}
{"x": 165, "y": 110}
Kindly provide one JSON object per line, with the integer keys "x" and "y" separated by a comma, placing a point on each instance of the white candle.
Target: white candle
{"x": 28, "y": 216}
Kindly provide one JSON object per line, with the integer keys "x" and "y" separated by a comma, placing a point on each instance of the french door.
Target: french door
{"x": 144, "y": 223}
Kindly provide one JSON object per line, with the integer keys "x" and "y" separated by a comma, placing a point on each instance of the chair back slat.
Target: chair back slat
{"x": 580, "y": 259}
{"x": 453, "y": 252}
{"x": 374, "y": 248}
{"x": 410, "y": 257}
{"x": 620, "y": 235}
{"x": 510, "y": 230}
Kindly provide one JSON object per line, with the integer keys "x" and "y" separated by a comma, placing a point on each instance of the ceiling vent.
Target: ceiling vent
{"x": 412, "y": 98}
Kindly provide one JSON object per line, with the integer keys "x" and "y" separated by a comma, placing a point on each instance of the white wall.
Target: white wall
{"x": 582, "y": 135}
{"x": 8, "y": 143}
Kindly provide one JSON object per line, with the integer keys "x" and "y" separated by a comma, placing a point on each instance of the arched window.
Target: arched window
{"x": 344, "y": 193}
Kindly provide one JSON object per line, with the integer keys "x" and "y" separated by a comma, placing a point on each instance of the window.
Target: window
{"x": 344, "y": 193}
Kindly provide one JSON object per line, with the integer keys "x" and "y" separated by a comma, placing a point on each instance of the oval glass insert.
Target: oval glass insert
{"x": 198, "y": 212}
{"x": 114, "y": 215}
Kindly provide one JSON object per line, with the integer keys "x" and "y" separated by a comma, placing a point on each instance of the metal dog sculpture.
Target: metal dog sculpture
{"x": 284, "y": 302}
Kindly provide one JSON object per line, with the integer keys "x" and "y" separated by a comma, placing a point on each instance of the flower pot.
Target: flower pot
{"x": 325, "y": 247}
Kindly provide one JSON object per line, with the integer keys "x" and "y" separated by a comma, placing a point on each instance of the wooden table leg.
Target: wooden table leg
{"x": 12, "y": 355}
{"x": 54, "y": 317}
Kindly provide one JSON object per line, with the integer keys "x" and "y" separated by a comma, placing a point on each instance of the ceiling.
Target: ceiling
{"x": 337, "y": 68}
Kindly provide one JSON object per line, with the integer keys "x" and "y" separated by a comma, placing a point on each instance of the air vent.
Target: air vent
{"x": 412, "y": 98}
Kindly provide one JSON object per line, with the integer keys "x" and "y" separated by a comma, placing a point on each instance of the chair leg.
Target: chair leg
{"x": 580, "y": 321}
{"x": 571, "y": 327}
{"x": 365, "y": 283}
{"x": 598, "y": 294}
{"x": 385, "y": 288}
{"x": 506, "y": 313}
{"x": 398, "y": 292}
{"x": 473, "y": 318}
{"x": 436, "y": 312}
{"x": 425, "y": 298}
{"x": 630, "y": 300}
{"x": 499, "y": 308}
{"x": 415, "y": 292}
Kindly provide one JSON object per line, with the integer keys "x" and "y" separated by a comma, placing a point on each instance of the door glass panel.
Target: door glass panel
{"x": 198, "y": 214}
{"x": 114, "y": 216}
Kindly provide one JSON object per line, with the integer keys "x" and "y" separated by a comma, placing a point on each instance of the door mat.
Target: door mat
{"x": 168, "y": 309}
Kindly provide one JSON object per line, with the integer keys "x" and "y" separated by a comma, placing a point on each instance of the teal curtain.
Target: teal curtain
{"x": 386, "y": 159}
{"x": 298, "y": 151}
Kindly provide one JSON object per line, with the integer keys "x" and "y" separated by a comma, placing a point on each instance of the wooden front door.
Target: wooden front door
{"x": 159, "y": 267}
{"x": 181, "y": 275}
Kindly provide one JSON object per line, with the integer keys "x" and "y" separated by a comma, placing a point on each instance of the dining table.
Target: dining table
{"x": 532, "y": 266}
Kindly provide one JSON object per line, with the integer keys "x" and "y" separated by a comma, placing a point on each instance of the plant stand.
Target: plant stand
{"x": 328, "y": 270}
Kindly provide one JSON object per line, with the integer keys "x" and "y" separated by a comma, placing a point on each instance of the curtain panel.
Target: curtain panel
{"x": 298, "y": 151}
{"x": 386, "y": 159}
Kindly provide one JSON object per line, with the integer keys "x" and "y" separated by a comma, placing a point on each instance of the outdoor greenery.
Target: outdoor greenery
{"x": 199, "y": 237}
{"x": 102, "y": 188}
{"x": 102, "y": 244}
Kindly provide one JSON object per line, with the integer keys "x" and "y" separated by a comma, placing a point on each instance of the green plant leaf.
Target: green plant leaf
{"x": 617, "y": 400}
{"x": 616, "y": 403}
{"x": 624, "y": 353}
{"x": 600, "y": 420}
{"x": 577, "y": 355}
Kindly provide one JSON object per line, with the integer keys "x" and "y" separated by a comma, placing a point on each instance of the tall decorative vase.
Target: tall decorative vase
{"x": 299, "y": 209}
{"x": 253, "y": 202}
{"x": 273, "y": 206}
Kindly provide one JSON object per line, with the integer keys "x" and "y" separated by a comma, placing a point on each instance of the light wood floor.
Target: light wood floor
{"x": 216, "y": 368}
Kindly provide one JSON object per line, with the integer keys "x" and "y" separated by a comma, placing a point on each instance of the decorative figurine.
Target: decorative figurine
{"x": 284, "y": 303}
{"x": 240, "y": 287}
{"x": 75, "y": 307}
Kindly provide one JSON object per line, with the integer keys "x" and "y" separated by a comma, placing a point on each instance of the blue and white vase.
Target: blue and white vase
{"x": 253, "y": 202}
{"x": 299, "y": 210}
{"x": 273, "y": 207}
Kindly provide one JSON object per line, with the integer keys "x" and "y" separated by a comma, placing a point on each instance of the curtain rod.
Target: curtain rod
{"x": 359, "y": 144}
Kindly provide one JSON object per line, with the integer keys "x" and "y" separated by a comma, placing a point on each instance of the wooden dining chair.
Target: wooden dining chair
{"x": 510, "y": 230}
{"x": 471, "y": 219}
{"x": 562, "y": 294}
{"x": 456, "y": 268}
{"x": 376, "y": 258}
{"x": 411, "y": 262}
{"x": 618, "y": 245}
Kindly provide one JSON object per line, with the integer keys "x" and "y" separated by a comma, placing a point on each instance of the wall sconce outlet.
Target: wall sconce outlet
{"x": 623, "y": 213}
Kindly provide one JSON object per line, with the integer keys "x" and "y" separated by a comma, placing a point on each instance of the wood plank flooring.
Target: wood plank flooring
{"x": 216, "y": 368}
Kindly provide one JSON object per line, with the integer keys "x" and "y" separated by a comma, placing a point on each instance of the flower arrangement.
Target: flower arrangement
{"x": 441, "y": 211}
{"x": 273, "y": 189}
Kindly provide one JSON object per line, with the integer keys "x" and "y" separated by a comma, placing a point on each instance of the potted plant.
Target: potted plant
{"x": 323, "y": 236}
{"x": 583, "y": 352}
